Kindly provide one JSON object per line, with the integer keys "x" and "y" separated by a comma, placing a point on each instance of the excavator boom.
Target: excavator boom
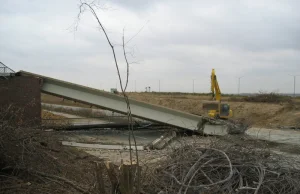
{"x": 215, "y": 89}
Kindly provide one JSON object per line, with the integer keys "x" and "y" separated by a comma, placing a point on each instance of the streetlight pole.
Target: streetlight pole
{"x": 193, "y": 85}
{"x": 239, "y": 84}
{"x": 294, "y": 84}
{"x": 159, "y": 85}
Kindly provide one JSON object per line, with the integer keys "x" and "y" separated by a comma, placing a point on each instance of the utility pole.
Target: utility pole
{"x": 159, "y": 85}
{"x": 135, "y": 85}
{"x": 193, "y": 85}
{"x": 294, "y": 83}
{"x": 239, "y": 84}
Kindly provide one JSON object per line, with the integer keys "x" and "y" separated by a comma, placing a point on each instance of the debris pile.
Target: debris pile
{"x": 223, "y": 169}
{"x": 32, "y": 161}
{"x": 232, "y": 126}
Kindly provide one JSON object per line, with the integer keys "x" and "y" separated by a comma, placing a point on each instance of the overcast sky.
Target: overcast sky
{"x": 179, "y": 41}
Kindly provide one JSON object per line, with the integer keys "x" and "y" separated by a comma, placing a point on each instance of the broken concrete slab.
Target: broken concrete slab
{"x": 101, "y": 146}
{"x": 162, "y": 141}
{"x": 219, "y": 130}
{"x": 288, "y": 136}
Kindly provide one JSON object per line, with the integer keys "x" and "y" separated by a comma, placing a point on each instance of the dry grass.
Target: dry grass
{"x": 259, "y": 113}
{"x": 49, "y": 115}
{"x": 268, "y": 98}
{"x": 84, "y": 112}
{"x": 33, "y": 161}
{"x": 46, "y": 98}
{"x": 220, "y": 167}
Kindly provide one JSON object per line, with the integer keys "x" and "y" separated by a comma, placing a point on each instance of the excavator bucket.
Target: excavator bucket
{"x": 219, "y": 127}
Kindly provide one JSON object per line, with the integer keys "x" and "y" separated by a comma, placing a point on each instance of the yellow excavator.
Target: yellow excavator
{"x": 216, "y": 108}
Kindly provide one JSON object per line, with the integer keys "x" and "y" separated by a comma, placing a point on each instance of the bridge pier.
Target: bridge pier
{"x": 20, "y": 100}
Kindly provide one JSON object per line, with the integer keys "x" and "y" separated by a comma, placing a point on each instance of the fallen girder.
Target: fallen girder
{"x": 117, "y": 103}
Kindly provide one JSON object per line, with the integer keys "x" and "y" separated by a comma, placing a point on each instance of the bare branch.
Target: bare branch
{"x": 127, "y": 76}
{"x": 130, "y": 120}
{"x": 137, "y": 32}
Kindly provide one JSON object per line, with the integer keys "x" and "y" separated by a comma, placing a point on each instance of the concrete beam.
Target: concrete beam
{"x": 117, "y": 103}
{"x": 101, "y": 146}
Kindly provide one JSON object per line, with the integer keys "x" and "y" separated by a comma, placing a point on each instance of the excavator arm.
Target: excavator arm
{"x": 215, "y": 89}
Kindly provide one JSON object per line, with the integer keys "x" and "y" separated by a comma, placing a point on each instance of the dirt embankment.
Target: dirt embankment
{"x": 49, "y": 115}
{"x": 259, "y": 114}
{"x": 57, "y": 100}
{"x": 33, "y": 161}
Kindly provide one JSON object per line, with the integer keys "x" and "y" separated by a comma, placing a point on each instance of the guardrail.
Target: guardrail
{"x": 5, "y": 71}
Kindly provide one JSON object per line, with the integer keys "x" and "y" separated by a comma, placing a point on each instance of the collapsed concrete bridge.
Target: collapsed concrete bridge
{"x": 116, "y": 103}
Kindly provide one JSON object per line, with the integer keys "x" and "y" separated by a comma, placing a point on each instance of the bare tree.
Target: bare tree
{"x": 92, "y": 7}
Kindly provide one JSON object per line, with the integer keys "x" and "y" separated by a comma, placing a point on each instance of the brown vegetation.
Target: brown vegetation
{"x": 33, "y": 161}
{"x": 223, "y": 168}
{"x": 281, "y": 111}
{"x": 84, "y": 112}
{"x": 257, "y": 113}
{"x": 268, "y": 98}
{"x": 48, "y": 115}
{"x": 46, "y": 98}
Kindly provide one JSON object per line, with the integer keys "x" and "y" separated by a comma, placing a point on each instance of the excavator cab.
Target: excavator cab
{"x": 218, "y": 110}
{"x": 225, "y": 111}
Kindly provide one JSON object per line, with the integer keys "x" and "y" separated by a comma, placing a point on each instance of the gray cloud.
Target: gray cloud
{"x": 180, "y": 41}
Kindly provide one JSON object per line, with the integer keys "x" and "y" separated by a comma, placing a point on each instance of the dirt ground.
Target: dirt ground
{"x": 33, "y": 161}
{"x": 258, "y": 114}
{"x": 36, "y": 162}
{"x": 57, "y": 100}
{"x": 151, "y": 156}
{"x": 49, "y": 115}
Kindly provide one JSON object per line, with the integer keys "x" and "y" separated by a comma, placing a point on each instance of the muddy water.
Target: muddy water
{"x": 275, "y": 135}
{"x": 104, "y": 136}
{"x": 112, "y": 137}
